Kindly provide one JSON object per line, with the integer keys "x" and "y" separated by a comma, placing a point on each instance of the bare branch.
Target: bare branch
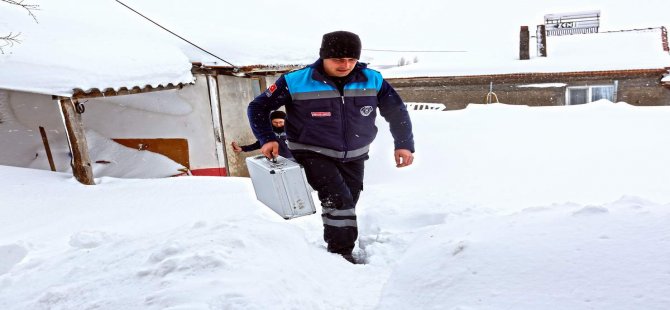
{"x": 9, "y": 40}
{"x": 29, "y": 7}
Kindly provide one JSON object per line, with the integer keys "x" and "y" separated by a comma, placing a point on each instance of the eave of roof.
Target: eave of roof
{"x": 544, "y": 75}
{"x": 244, "y": 71}
{"x": 110, "y": 92}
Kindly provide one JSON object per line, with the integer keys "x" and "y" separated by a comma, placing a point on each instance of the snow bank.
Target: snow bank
{"x": 505, "y": 207}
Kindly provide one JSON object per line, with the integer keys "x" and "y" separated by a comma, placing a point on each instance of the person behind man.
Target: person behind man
{"x": 331, "y": 108}
{"x": 277, "y": 119}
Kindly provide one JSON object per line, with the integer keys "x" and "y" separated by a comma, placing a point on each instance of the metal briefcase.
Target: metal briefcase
{"x": 281, "y": 185}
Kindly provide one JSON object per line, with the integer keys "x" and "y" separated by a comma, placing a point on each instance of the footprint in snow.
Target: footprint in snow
{"x": 590, "y": 210}
{"x": 10, "y": 255}
{"x": 166, "y": 251}
{"x": 88, "y": 239}
{"x": 460, "y": 247}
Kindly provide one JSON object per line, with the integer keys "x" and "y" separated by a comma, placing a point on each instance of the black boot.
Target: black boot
{"x": 350, "y": 258}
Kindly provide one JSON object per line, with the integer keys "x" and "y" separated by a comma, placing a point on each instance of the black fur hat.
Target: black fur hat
{"x": 277, "y": 114}
{"x": 340, "y": 44}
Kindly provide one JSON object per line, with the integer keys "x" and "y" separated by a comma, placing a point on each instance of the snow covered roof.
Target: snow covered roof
{"x": 611, "y": 51}
{"x": 86, "y": 45}
{"x": 101, "y": 45}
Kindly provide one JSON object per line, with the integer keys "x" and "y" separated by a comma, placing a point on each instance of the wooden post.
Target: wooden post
{"x": 263, "y": 83}
{"x": 542, "y": 41}
{"x": 47, "y": 148}
{"x": 524, "y": 45}
{"x": 219, "y": 140}
{"x": 81, "y": 162}
{"x": 664, "y": 38}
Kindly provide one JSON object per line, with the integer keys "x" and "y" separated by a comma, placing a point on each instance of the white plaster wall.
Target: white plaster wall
{"x": 21, "y": 115}
{"x": 183, "y": 113}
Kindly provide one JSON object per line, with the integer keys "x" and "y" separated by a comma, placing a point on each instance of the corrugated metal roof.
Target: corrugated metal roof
{"x": 248, "y": 70}
{"x": 109, "y": 92}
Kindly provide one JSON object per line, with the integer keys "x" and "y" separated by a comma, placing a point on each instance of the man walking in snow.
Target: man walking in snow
{"x": 331, "y": 108}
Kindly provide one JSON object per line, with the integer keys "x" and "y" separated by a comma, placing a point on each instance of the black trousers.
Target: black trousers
{"x": 339, "y": 185}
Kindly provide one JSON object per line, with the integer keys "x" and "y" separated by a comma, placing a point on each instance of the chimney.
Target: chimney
{"x": 664, "y": 38}
{"x": 524, "y": 45}
{"x": 541, "y": 41}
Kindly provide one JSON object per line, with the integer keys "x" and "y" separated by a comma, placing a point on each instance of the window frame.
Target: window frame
{"x": 589, "y": 91}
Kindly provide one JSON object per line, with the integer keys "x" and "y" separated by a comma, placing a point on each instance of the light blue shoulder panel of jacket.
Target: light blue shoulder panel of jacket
{"x": 302, "y": 86}
{"x": 365, "y": 88}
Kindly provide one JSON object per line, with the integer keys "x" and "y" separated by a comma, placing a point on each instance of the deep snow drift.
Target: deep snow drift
{"x": 506, "y": 207}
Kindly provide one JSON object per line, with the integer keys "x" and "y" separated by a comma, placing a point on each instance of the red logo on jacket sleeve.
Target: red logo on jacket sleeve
{"x": 271, "y": 90}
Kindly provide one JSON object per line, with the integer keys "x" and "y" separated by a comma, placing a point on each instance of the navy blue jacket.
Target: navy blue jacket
{"x": 321, "y": 118}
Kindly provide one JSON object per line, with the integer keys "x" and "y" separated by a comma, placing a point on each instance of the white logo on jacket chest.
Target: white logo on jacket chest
{"x": 366, "y": 110}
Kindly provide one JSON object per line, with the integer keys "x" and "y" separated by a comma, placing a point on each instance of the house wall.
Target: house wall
{"x": 643, "y": 91}
{"x": 169, "y": 116}
{"x": 235, "y": 95}
{"x": 21, "y": 115}
{"x": 638, "y": 87}
{"x": 182, "y": 114}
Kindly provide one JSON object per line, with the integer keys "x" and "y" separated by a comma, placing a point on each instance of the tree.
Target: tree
{"x": 402, "y": 62}
{"x": 12, "y": 38}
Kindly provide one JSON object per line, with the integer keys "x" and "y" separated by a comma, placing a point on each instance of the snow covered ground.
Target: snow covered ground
{"x": 506, "y": 207}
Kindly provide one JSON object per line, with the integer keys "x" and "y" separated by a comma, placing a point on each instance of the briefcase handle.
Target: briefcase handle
{"x": 274, "y": 163}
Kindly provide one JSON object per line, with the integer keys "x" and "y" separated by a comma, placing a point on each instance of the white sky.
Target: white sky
{"x": 269, "y": 28}
{"x": 506, "y": 207}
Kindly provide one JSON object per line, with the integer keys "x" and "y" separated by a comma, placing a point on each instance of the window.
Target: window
{"x": 584, "y": 94}
{"x": 578, "y": 95}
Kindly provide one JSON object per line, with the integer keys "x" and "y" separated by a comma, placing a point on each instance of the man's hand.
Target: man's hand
{"x": 236, "y": 147}
{"x": 403, "y": 158}
{"x": 270, "y": 149}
